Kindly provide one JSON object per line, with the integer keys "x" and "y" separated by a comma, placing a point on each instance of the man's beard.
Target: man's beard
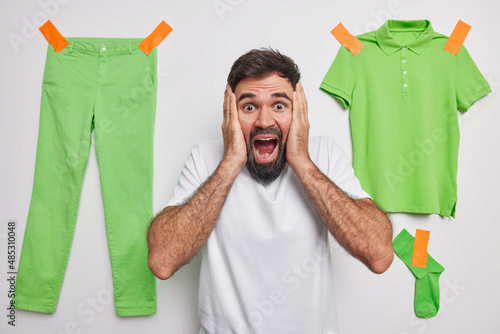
{"x": 266, "y": 172}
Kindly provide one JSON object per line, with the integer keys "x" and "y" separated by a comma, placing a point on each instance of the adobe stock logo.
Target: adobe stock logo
{"x": 29, "y": 28}
{"x": 223, "y": 6}
{"x": 122, "y": 107}
{"x": 393, "y": 7}
{"x": 451, "y": 290}
{"x": 417, "y": 157}
{"x": 290, "y": 282}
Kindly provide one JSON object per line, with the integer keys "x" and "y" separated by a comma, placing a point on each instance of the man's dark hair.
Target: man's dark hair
{"x": 260, "y": 63}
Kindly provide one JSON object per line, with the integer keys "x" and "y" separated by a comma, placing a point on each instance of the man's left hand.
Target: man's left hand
{"x": 297, "y": 147}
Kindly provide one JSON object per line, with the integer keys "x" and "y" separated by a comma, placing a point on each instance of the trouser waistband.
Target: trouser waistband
{"x": 108, "y": 45}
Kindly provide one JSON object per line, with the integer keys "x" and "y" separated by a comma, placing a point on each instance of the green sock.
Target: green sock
{"x": 427, "y": 283}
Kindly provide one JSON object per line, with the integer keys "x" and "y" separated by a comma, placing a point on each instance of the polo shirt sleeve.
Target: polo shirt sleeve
{"x": 340, "y": 79}
{"x": 194, "y": 173}
{"x": 470, "y": 84}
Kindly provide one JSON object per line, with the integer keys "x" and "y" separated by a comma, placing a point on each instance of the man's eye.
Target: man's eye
{"x": 248, "y": 107}
{"x": 279, "y": 106}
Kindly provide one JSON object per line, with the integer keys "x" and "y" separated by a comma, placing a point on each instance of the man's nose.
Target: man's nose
{"x": 265, "y": 119}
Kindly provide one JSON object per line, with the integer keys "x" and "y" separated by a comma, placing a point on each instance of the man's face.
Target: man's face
{"x": 265, "y": 115}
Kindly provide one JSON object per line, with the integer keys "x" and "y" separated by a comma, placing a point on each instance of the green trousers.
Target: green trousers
{"x": 105, "y": 85}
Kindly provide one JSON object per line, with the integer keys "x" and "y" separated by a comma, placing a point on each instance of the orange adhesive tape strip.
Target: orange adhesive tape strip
{"x": 457, "y": 37}
{"x": 346, "y": 39}
{"x": 155, "y": 38}
{"x": 419, "y": 257}
{"x": 53, "y": 36}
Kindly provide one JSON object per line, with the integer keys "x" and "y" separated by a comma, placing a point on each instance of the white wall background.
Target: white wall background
{"x": 193, "y": 64}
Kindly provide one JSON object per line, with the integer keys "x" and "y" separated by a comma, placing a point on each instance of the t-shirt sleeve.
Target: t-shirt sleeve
{"x": 470, "y": 84}
{"x": 340, "y": 79}
{"x": 340, "y": 171}
{"x": 194, "y": 173}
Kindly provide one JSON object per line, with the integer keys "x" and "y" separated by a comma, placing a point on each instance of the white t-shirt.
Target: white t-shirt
{"x": 266, "y": 266}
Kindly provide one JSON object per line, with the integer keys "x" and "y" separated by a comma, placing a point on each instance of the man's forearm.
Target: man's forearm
{"x": 358, "y": 225}
{"x": 178, "y": 232}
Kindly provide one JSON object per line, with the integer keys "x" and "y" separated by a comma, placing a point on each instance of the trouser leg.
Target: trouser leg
{"x": 124, "y": 118}
{"x": 62, "y": 150}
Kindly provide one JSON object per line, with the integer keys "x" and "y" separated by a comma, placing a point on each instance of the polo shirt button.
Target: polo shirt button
{"x": 405, "y": 85}
{"x": 104, "y": 48}
{"x": 404, "y": 72}
{"x": 404, "y": 60}
{"x": 404, "y": 48}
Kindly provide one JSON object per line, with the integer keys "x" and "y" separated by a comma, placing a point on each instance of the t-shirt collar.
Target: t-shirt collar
{"x": 389, "y": 44}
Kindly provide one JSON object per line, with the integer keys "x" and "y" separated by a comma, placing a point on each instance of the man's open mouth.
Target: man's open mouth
{"x": 265, "y": 148}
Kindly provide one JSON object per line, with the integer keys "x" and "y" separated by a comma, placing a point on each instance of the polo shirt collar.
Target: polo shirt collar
{"x": 389, "y": 44}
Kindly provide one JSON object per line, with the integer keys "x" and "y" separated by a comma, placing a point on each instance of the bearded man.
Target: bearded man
{"x": 263, "y": 204}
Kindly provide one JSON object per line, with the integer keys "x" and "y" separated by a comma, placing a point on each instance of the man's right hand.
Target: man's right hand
{"x": 235, "y": 150}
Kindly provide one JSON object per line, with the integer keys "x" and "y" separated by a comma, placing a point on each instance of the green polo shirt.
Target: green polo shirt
{"x": 403, "y": 91}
